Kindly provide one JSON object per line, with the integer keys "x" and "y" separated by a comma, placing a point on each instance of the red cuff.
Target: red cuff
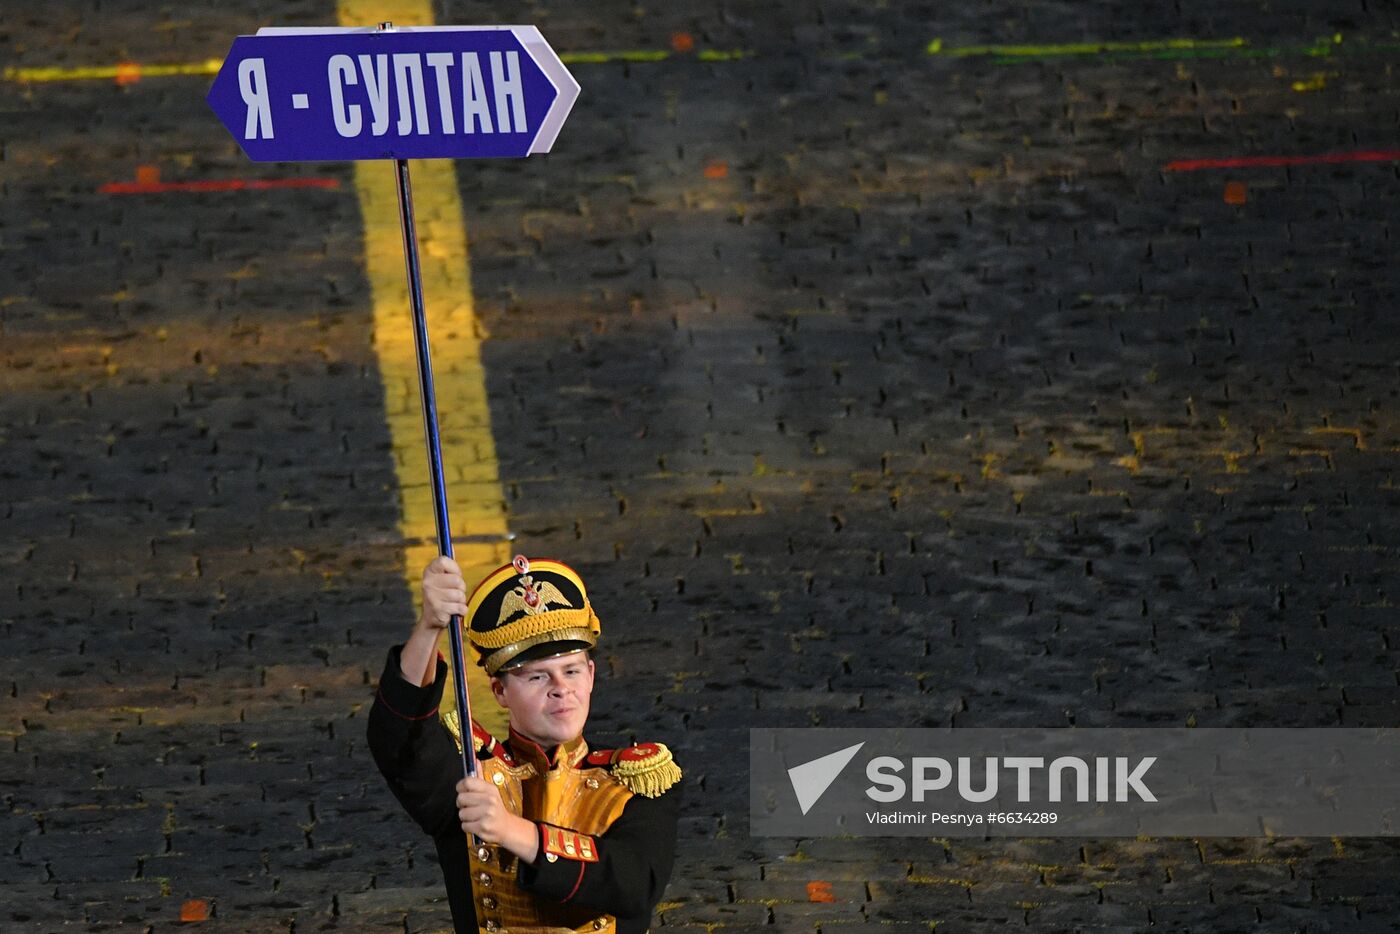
{"x": 569, "y": 844}
{"x": 553, "y": 841}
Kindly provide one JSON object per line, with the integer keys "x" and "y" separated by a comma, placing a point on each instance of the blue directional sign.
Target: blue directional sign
{"x": 434, "y": 92}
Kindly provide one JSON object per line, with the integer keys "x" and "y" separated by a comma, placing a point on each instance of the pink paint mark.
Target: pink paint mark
{"x": 221, "y": 184}
{"x": 1245, "y": 162}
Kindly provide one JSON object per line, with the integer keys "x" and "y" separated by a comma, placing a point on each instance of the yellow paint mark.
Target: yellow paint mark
{"x": 131, "y": 72}
{"x": 942, "y": 880}
{"x": 722, "y": 512}
{"x": 1317, "y": 81}
{"x": 125, "y": 71}
{"x": 1355, "y": 433}
{"x": 475, "y": 503}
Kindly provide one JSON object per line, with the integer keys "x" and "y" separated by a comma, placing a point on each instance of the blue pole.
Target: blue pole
{"x": 430, "y": 432}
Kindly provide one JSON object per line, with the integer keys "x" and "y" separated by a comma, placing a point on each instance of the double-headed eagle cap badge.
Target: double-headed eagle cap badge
{"x": 528, "y": 610}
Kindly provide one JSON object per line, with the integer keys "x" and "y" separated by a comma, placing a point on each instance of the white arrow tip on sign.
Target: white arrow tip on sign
{"x": 559, "y": 76}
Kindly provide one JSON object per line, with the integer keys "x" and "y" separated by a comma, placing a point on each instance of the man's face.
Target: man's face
{"x": 548, "y": 699}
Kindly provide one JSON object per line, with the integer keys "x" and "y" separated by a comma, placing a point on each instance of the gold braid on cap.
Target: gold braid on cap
{"x": 539, "y": 624}
{"x": 493, "y": 661}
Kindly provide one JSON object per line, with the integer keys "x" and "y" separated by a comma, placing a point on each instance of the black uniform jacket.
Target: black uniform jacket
{"x": 419, "y": 759}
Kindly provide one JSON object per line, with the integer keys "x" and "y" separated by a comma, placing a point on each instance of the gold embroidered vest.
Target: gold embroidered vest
{"x": 564, "y": 793}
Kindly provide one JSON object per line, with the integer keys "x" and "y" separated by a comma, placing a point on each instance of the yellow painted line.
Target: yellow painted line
{"x": 127, "y": 71}
{"x": 475, "y": 502}
{"x": 134, "y": 71}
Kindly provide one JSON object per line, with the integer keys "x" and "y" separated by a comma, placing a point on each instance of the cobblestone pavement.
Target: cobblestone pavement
{"x": 867, "y": 382}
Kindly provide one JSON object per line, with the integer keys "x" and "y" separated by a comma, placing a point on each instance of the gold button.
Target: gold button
{"x": 484, "y": 878}
{"x": 498, "y": 778}
{"x": 483, "y": 854}
{"x": 599, "y": 924}
{"x": 591, "y": 782}
{"x": 569, "y": 848}
{"x": 551, "y": 857}
{"x": 490, "y": 925}
{"x": 488, "y": 902}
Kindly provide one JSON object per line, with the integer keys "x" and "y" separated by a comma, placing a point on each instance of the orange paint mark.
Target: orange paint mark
{"x": 148, "y": 175}
{"x": 196, "y": 909}
{"x": 820, "y": 892}
{"x": 1236, "y": 193}
{"x": 717, "y": 170}
{"x": 128, "y": 73}
{"x": 682, "y": 42}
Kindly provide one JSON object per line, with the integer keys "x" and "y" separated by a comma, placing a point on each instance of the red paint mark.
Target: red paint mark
{"x": 1236, "y": 193}
{"x": 717, "y": 170}
{"x": 196, "y": 909}
{"x": 148, "y": 182}
{"x": 819, "y": 892}
{"x": 682, "y": 42}
{"x": 128, "y": 73}
{"x": 1245, "y": 162}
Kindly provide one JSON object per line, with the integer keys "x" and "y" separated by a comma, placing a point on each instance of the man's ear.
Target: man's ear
{"x": 498, "y": 690}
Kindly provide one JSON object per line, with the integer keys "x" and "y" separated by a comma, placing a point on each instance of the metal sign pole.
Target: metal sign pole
{"x": 430, "y": 431}
{"x": 294, "y": 94}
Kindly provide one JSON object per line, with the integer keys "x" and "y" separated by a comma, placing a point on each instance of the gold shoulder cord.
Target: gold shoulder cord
{"x": 650, "y": 777}
{"x": 454, "y": 726}
{"x": 453, "y": 722}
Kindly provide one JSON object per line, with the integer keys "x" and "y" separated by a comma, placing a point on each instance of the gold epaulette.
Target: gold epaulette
{"x": 645, "y": 769}
{"x": 454, "y": 726}
{"x": 480, "y": 737}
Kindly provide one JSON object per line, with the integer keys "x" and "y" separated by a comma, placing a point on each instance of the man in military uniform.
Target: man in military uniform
{"x": 549, "y": 835}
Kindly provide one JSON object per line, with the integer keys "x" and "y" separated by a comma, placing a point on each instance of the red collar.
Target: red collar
{"x": 544, "y": 760}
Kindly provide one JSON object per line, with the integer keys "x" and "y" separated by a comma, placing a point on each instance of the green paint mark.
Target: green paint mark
{"x": 1236, "y": 47}
{"x": 625, "y": 55}
{"x": 1080, "y": 48}
{"x": 721, "y": 55}
{"x": 650, "y": 55}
